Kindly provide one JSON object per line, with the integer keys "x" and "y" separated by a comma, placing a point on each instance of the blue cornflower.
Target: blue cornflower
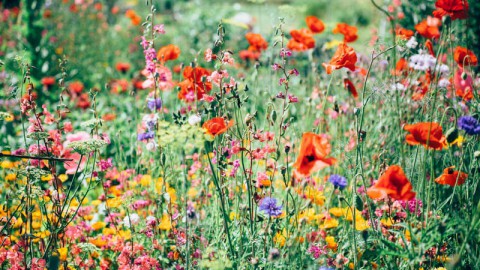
{"x": 269, "y": 206}
{"x": 338, "y": 181}
{"x": 145, "y": 136}
{"x": 325, "y": 268}
{"x": 154, "y": 103}
{"x": 469, "y": 124}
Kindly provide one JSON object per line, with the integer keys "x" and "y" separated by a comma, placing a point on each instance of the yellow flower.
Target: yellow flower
{"x": 233, "y": 215}
{"x": 332, "y": 44}
{"x": 63, "y": 177}
{"x": 338, "y": 212}
{"x": 6, "y": 164}
{"x": 280, "y": 238}
{"x": 361, "y": 224}
{"x": 98, "y": 225}
{"x": 47, "y": 177}
{"x": 165, "y": 223}
{"x": 192, "y": 193}
{"x": 331, "y": 244}
{"x": 98, "y": 242}
{"x": 114, "y": 202}
{"x": 387, "y": 222}
{"x": 146, "y": 180}
{"x": 10, "y": 177}
{"x": 330, "y": 223}
{"x": 62, "y": 253}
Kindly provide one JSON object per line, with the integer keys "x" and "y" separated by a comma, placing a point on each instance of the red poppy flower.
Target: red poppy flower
{"x": 349, "y": 32}
{"x": 256, "y": 41}
{"x": 419, "y": 134}
{"x": 429, "y": 46}
{"x": 249, "y": 55}
{"x": 167, "y": 53}
{"x": 76, "y": 87}
{"x": 451, "y": 177}
{"x": 428, "y": 28}
{"x": 456, "y": 9}
{"x": 464, "y": 57}
{"x": 217, "y": 126}
{"x": 403, "y": 33}
{"x": 122, "y": 67}
{"x": 314, "y": 150}
{"x": 194, "y": 85}
{"x": 315, "y": 24}
{"x": 421, "y": 88}
{"x": 48, "y": 81}
{"x": 344, "y": 57}
{"x": 301, "y": 40}
{"x": 401, "y": 68}
{"x": 394, "y": 184}
{"x": 350, "y": 87}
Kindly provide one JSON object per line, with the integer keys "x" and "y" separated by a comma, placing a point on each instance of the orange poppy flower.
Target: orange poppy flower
{"x": 350, "y": 87}
{"x": 48, "y": 81}
{"x": 419, "y": 134}
{"x": 249, "y": 55}
{"x": 428, "y": 28}
{"x": 421, "y": 89}
{"x": 217, "y": 126}
{"x": 301, "y": 40}
{"x": 401, "y": 68}
{"x": 403, "y": 33}
{"x": 315, "y": 24}
{"x": 349, "y": 32}
{"x": 314, "y": 150}
{"x": 429, "y": 46}
{"x": 167, "y": 53}
{"x": 122, "y": 67}
{"x": 451, "y": 177}
{"x": 344, "y": 57}
{"x": 456, "y": 9}
{"x": 194, "y": 86}
{"x": 394, "y": 184}
{"x": 256, "y": 41}
{"x": 464, "y": 57}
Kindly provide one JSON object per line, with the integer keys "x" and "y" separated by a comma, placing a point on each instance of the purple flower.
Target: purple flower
{"x": 275, "y": 67}
{"x": 269, "y": 206}
{"x": 325, "y": 268}
{"x": 338, "y": 181}
{"x": 153, "y": 104}
{"x": 146, "y": 136}
{"x": 469, "y": 124}
{"x": 159, "y": 28}
{"x": 105, "y": 164}
{"x": 285, "y": 53}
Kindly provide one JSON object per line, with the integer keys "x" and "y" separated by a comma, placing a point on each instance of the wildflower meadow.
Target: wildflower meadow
{"x": 239, "y": 134}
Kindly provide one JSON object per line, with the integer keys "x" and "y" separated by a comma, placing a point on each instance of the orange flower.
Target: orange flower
{"x": 456, "y": 9}
{"x": 249, "y": 55}
{"x": 403, "y": 33}
{"x": 419, "y": 134}
{"x": 302, "y": 40}
{"x": 429, "y": 28}
{"x": 167, "y": 53}
{"x": 194, "y": 86}
{"x": 394, "y": 184}
{"x": 76, "y": 87}
{"x": 314, "y": 150}
{"x": 451, "y": 177}
{"x": 48, "y": 81}
{"x": 349, "y": 32}
{"x": 122, "y": 67}
{"x": 401, "y": 68}
{"x": 465, "y": 57}
{"x": 429, "y": 46}
{"x": 350, "y": 87}
{"x": 315, "y": 24}
{"x": 344, "y": 57}
{"x": 217, "y": 126}
{"x": 256, "y": 41}
{"x": 134, "y": 18}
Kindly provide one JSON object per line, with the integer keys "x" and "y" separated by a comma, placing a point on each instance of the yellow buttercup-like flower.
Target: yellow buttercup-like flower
{"x": 62, "y": 253}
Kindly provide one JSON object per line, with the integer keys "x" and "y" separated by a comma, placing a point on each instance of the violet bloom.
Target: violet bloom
{"x": 469, "y": 124}
{"x": 159, "y": 28}
{"x": 269, "y": 207}
{"x": 105, "y": 164}
{"x": 145, "y": 136}
{"x": 153, "y": 104}
{"x": 338, "y": 181}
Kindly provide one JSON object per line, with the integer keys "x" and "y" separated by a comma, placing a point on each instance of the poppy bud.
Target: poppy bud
{"x": 464, "y": 76}
{"x": 287, "y": 149}
{"x": 452, "y": 135}
{"x": 283, "y": 170}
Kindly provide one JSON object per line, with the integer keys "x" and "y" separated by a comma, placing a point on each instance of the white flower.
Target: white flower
{"x": 411, "y": 43}
{"x": 398, "y": 87}
{"x": 443, "y": 83}
{"x": 194, "y": 119}
{"x": 151, "y": 146}
{"x": 133, "y": 218}
{"x": 443, "y": 69}
{"x": 422, "y": 61}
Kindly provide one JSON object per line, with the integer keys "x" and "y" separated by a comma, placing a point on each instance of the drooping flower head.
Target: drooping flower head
{"x": 350, "y": 87}
{"x": 428, "y": 134}
{"x": 451, "y": 177}
{"x": 313, "y": 156}
{"x": 270, "y": 207}
{"x": 394, "y": 184}
{"x": 470, "y": 124}
{"x": 464, "y": 57}
{"x": 345, "y": 56}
